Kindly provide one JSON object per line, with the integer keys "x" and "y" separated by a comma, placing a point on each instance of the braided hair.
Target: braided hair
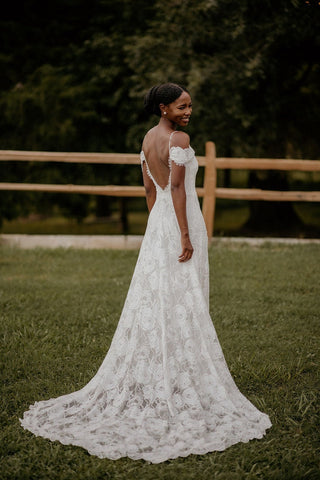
{"x": 164, "y": 93}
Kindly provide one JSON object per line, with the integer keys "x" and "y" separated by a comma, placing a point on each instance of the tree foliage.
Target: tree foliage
{"x": 75, "y": 72}
{"x": 252, "y": 67}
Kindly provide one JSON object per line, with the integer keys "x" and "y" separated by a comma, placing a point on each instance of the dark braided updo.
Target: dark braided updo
{"x": 165, "y": 93}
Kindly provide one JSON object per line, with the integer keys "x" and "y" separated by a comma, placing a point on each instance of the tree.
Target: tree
{"x": 253, "y": 70}
{"x": 75, "y": 76}
{"x": 78, "y": 98}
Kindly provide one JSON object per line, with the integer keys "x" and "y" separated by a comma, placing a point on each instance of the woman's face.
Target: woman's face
{"x": 180, "y": 110}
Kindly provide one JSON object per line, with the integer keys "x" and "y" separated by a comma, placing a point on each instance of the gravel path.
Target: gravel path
{"x": 120, "y": 242}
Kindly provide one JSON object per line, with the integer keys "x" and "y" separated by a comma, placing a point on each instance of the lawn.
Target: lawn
{"x": 59, "y": 309}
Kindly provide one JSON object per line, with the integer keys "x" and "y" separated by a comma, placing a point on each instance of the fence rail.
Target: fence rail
{"x": 210, "y": 192}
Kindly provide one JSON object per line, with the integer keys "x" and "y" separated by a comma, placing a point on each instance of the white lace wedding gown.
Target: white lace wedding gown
{"x": 164, "y": 389}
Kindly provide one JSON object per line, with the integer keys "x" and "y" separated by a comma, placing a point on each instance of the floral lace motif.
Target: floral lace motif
{"x": 181, "y": 156}
{"x": 164, "y": 389}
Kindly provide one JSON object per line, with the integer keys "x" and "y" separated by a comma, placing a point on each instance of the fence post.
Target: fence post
{"x": 210, "y": 182}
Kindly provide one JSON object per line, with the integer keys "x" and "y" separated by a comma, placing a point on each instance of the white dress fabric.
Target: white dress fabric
{"x": 164, "y": 389}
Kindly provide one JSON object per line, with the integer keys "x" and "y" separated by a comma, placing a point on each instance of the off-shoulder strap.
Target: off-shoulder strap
{"x": 180, "y": 156}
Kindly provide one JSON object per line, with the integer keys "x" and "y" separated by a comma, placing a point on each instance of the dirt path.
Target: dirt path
{"x": 120, "y": 242}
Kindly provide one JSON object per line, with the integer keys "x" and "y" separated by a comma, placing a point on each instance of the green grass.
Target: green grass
{"x": 59, "y": 309}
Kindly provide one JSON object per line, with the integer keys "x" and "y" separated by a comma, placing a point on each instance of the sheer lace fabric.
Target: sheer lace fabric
{"x": 164, "y": 389}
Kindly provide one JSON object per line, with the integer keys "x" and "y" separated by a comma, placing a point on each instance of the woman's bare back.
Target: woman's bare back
{"x": 156, "y": 150}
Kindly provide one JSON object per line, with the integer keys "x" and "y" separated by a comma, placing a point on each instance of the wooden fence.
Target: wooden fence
{"x": 209, "y": 191}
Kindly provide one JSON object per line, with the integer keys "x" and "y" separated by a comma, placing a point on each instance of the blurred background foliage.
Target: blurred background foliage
{"x": 74, "y": 74}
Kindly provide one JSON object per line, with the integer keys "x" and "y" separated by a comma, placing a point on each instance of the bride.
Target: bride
{"x": 164, "y": 389}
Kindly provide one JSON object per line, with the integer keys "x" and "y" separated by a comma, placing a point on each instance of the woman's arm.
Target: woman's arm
{"x": 149, "y": 188}
{"x": 178, "y": 194}
{"x": 179, "y": 200}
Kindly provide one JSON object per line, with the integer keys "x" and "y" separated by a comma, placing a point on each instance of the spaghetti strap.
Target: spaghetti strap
{"x": 170, "y": 139}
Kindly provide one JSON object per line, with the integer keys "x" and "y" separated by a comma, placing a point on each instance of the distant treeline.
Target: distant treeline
{"x": 74, "y": 73}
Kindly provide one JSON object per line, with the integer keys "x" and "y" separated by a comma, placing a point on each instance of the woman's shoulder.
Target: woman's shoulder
{"x": 151, "y": 132}
{"x": 149, "y": 135}
{"x": 180, "y": 151}
{"x": 180, "y": 139}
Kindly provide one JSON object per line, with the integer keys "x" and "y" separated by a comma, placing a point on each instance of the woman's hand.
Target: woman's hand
{"x": 187, "y": 248}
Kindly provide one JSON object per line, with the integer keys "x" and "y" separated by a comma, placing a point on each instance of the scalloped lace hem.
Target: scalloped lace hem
{"x": 167, "y": 453}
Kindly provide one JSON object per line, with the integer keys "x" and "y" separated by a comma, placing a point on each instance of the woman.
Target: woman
{"x": 164, "y": 389}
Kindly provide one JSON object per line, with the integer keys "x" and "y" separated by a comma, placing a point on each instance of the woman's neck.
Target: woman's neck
{"x": 167, "y": 125}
